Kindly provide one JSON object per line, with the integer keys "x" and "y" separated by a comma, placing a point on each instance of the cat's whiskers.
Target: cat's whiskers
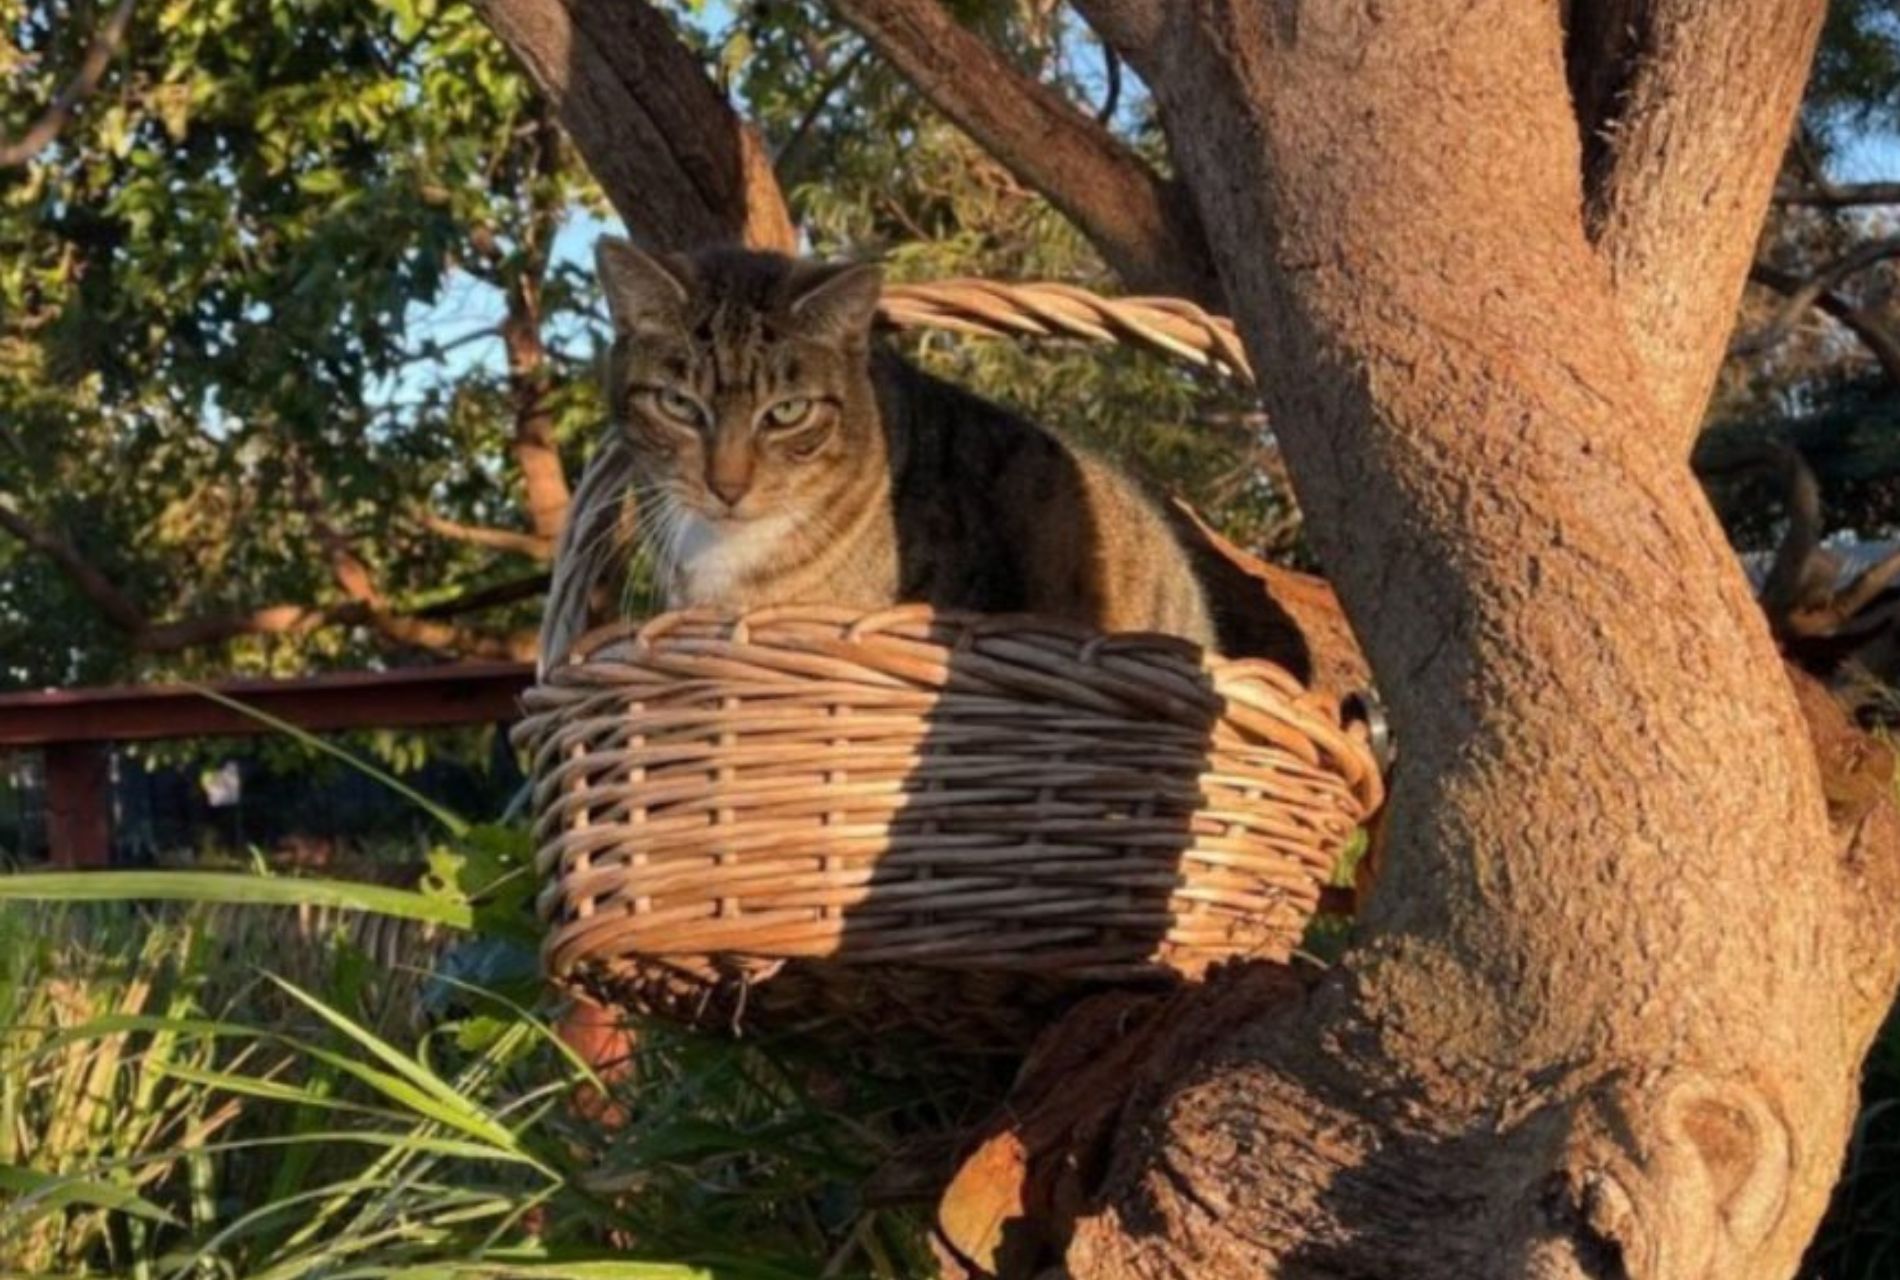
{"x": 650, "y": 518}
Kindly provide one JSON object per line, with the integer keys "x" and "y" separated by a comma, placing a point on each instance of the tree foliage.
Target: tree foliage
{"x": 251, "y": 336}
{"x": 221, "y": 298}
{"x": 253, "y": 368}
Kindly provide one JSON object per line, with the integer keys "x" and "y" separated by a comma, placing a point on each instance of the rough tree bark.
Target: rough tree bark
{"x": 679, "y": 165}
{"x": 1609, "y": 1000}
{"x": 1684, "y": 109}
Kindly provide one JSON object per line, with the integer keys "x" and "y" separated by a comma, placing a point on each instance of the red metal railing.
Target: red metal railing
{"x": 76, "y": 726}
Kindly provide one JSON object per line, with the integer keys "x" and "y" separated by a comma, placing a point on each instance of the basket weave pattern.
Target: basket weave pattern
{"x": 923, "y": 801}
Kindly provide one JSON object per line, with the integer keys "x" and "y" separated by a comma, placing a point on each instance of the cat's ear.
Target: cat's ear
{"x": 838, "y": 302}
{"x": 643, "y": 292}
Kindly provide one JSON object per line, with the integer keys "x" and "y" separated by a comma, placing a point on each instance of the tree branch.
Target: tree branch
{"x": 1808, "y": 292}
{"x": 480, "y": 598}
{"x": 40, "y": 134}
{"x": 1827, "y": 195}
{"x": 1867, "y": 586}
{"x": 354, "y": 578}
{"x": 1112, "y": 91}
{"x": 94, "y": 585}
{"x": 1881, "y": 341}
{"x": 1798, "y": 572}
{"x": 512, "y": 541}
{"x": 279, "y": 619}
{"x": 1684, "y": 108}
{"x": 536, "y": 452}
{"x": 1143, "y": 224}
{"x": 449, "y": 640}
{"x": 679, "y": 165}
{"x": 1132, "y": 27}
{"x": 419, "y": 629}
{"x": 789, "y": 163}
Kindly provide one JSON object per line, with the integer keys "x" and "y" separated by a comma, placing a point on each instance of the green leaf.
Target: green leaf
{"x": 232, "y": 887}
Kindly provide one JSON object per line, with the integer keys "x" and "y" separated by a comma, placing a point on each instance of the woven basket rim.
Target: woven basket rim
{"x": 1343, "y": 744}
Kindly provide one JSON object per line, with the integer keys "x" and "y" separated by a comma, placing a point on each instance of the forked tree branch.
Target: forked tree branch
{"x": 354, "y": 578}
{"x": 1874, "y": 334}
{"x": 1684, "y": 108}
{"x": 1143, "y": 224}
{"x": 1808, "y": 291}
{"x": 677, "y": 162}
{"x": 92, "y": 69}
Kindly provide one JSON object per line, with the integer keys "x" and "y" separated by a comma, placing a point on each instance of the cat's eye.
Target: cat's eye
{"x": 678, "y": 406}
{"x": 788, "y": 413}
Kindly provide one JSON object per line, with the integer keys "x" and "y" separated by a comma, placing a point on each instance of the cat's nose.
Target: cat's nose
{"x": 729, "y": 467}
{"x": 729, "y": 489}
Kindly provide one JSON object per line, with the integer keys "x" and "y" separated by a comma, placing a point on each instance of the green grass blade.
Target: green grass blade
{"x": 524, "y": 1016}
{"x": 539, "y": 1266}
{"x": 424, "y": 1144}
{"x": 276, "y": 1091}
{"x": 450, "y": 821}
{"x": 427, "y": 1104}
{"x": 411, "y": 1083}
{"x": 43, "y": 1193}
{"x": 597, "y": 1269}
{"x": 233, "y": 887}
{"x": 112, "y": 1024}
{"x": 252, "y": 1221}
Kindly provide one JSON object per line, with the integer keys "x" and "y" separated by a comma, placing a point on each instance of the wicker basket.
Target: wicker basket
{"x": 935, "y": 820}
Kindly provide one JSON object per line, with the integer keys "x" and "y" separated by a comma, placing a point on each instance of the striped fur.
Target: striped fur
{"x": 872, "y": 483}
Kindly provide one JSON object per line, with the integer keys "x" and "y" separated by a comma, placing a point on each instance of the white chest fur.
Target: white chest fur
{"x": 713, "y": 563}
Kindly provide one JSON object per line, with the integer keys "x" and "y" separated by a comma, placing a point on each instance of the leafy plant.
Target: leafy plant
{"x": 170, "y": 1109}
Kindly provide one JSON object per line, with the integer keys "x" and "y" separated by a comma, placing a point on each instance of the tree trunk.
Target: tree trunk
{"x": 537, "y": 451}
{"x": 1608, "y": 1003}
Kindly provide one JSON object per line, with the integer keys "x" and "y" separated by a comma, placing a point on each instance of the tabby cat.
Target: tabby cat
{"x": 780, "y": 456}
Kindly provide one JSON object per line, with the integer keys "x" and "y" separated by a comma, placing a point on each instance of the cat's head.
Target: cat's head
{"x": 741, "y": 380}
